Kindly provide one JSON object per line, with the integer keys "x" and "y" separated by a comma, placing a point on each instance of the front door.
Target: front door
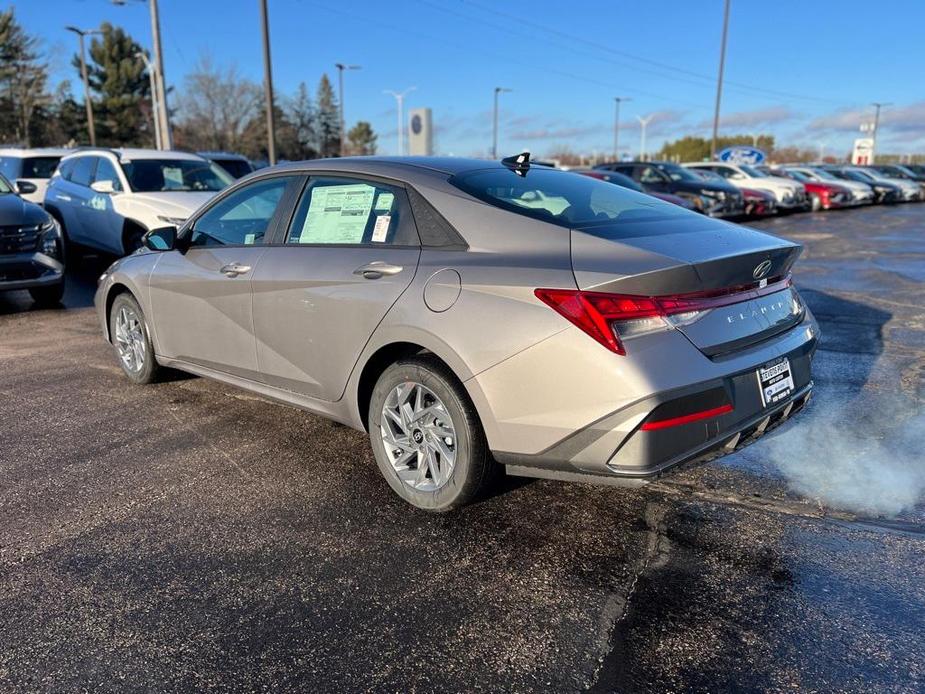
{"x": 201, "y": 297}
{"x": 350, "y": 252}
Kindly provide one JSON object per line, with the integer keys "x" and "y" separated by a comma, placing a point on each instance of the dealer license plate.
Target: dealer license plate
{"x": 775, "y": 382}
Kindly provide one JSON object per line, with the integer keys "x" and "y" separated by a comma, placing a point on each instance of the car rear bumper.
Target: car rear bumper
{"x": 617, "y": 449}
{"x": 29, "y": 270}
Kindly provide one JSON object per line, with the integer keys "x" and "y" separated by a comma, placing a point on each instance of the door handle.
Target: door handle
{"x": 376, "y": 269}
{"x": 65, "y": 198}
{"x": 234, "y": 269}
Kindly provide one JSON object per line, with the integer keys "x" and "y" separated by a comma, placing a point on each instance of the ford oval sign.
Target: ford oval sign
{"x": 740, "y": 154}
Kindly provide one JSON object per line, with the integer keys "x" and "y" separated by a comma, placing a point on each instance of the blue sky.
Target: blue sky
{"x": 804, "y": 71}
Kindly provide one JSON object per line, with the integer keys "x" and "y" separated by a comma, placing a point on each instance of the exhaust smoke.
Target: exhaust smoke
{"x": 866, "y": 456}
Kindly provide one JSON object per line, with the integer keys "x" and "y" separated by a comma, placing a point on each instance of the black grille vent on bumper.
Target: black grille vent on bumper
{"x": 15, "y": 239}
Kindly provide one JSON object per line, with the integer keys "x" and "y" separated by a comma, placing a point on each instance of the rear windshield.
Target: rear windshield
{"x": 39, "y": 167}
{"x": 236, "y": 167}
{"x": 564, "y": 198}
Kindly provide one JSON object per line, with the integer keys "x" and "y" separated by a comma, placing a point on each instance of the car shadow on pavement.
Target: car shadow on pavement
{"x": 80, "y": 278}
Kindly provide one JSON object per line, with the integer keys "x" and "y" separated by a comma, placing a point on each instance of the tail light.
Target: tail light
{"x": 609, "y": 317}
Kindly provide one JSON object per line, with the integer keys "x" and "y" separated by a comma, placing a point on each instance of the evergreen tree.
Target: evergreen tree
{"x": 328, "y": 120}
{"x": 361, "y": 139}
{"x": 117, "y": 74}
{"x": 302, "y": 116}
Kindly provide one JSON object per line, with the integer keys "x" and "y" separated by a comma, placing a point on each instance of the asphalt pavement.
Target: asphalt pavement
{"x": 192, "y": 537}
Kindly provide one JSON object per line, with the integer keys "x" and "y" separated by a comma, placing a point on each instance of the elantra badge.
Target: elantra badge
{"x": 761, "y": 269}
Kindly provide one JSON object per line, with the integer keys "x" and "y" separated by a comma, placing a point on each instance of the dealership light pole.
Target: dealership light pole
{"x": 399, "y": 102}
{"x": 616, "y": 125}
{"x": 873, "y": 135}
{"x": 83, "y": 73}
{"x": 161, "y": 91}
{"x": 268, "y": 84}
{"x": 719, "y": 80}
{"x": 494, "y": 129}
{"x": 340, "y": 88}
{"x": 152, "y": 76}
{"x": 643, "y": 122}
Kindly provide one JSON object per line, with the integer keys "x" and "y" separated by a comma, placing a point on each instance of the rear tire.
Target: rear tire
{"x": 48, "y": 296}
{"x": 128, "y": 333}
{"x": 427, "y": 437}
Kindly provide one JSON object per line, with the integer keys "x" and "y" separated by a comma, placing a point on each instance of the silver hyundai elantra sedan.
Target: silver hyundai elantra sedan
{"x": 474, "y": 316}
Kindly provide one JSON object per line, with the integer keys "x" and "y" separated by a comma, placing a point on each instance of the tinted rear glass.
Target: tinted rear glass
{"x": 236, "y": 167}
{"x": 563, "y": 198}
{"x": 39, "y": 167}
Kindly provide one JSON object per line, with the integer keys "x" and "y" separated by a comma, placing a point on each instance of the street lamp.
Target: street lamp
{"x": 873, "y": 136}
{"x": 494, "y": 131}
{"x": 719, "y": 79}
{"x": 161, "y": 91}
{"x": 400, "y": 100}
{"x": 83, "y": 73}
{"x": 268, "y": 84}
{"x": 616, "y": 125}
{"x": 340, "y": 87}
{"x": 643, "y": 122}
{"x": 152, "y": 76}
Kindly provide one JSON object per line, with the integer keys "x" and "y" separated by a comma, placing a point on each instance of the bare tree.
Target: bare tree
{"x": 24, "y": 78}
{"x": 216, "y": 106}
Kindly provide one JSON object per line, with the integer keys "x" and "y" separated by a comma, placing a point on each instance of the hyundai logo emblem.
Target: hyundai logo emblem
{"x": 761, "y": 269}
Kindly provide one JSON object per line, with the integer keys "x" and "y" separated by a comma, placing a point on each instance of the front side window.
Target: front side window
{"x": 650, "y": 174}
{"x": 106, "y": 171}
{"x": 82, "y": 173}
{"x": 342, "y": 211}
{"x": 562, "y": 198}
{"x": 166, "y": 175}
{"x": 5, "y": 186}
{"x": 9, "y": 167}
{"x": 676, "y": 172}
{"x": 243, "y": 218}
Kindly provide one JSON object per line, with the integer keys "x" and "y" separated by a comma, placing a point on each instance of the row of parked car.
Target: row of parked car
{"x": 107, "y": 199}
{"x": 723, "y": 189}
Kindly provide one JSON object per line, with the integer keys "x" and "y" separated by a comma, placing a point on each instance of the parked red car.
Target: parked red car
{"x": 823, "y": 196}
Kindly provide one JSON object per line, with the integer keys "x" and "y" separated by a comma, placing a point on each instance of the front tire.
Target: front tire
{"x": 427, "y": 437}
{"x": 128, "y": 333}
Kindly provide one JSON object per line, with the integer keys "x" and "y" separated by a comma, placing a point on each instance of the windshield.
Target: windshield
{"x": 752, "y": 171}
{"x": 676, "y": 173}
{"x": 562, "y": 198}
{"x": 825, "y": 175}
{"x": 799, "y": 175}
{"x": 236, "y": 167}
{"x": 39, "y": 167}
{"x": 165, "y": 175}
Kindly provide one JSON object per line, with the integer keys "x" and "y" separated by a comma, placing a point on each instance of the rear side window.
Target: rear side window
{"x": 82, "y": 173}
{"x": 39, "y": 167}
{"x": 348, "y": 211}
{"x": 563, "y": 198}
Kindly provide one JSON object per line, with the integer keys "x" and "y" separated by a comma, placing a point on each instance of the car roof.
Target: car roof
{"x": 400, "y": 168}
{"x": 132, "y": 153}
{"x": 34, "y": 151}
{"x": 222, "y": 155}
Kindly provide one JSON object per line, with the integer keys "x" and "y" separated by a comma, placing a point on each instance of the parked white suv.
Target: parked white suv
{"x": 108, "y": 198}
{"x": 789, "y": 194}
{"x": 33, "y": 167}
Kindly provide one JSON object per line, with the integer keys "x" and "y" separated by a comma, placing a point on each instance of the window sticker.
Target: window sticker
{"x": 381, "y": 230}
{"x": 337, "y": 214}
{"x": 250, "y": 239}
{"x": 384, "y": 201}
{"x": 173, "y": 177}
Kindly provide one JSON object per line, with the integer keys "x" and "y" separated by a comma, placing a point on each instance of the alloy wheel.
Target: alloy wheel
{"x": 418, "y": 436}
{"x": 130, "y": 340}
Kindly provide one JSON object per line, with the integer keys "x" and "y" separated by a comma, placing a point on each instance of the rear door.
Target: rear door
{"x": 201, "y": 297}
{"x": 350, "y": 251}
{"x": 98, "y": 217}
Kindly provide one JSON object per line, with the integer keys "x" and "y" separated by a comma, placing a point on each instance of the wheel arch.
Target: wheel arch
{"x": 115, "y": 290}
{"x": 130, "y": 227}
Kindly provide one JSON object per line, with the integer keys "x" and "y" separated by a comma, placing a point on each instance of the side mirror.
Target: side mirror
{"x": 25, "y": 187}
{"x": 162, "y": 239}
{"x": 103, "y": 187}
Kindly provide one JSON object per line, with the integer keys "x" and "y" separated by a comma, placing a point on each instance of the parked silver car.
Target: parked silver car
{"x": 471, "y": 315}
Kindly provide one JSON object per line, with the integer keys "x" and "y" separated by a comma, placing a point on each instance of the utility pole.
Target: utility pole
{"x": 643, "y": 122}
{"x": 873, "y": 136}
{"x": 399, "y": 102}
{"x": 160, "y": 93}
{"x": 152, "y": 76}
{"x": 91, "y": 129}
{"x": 268, "y": 84}
{"x": 494, "y": 130}
{"x": 616, "y": 125}
{"x": 719, "y": 81}
{"x": 340, "y": 88}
